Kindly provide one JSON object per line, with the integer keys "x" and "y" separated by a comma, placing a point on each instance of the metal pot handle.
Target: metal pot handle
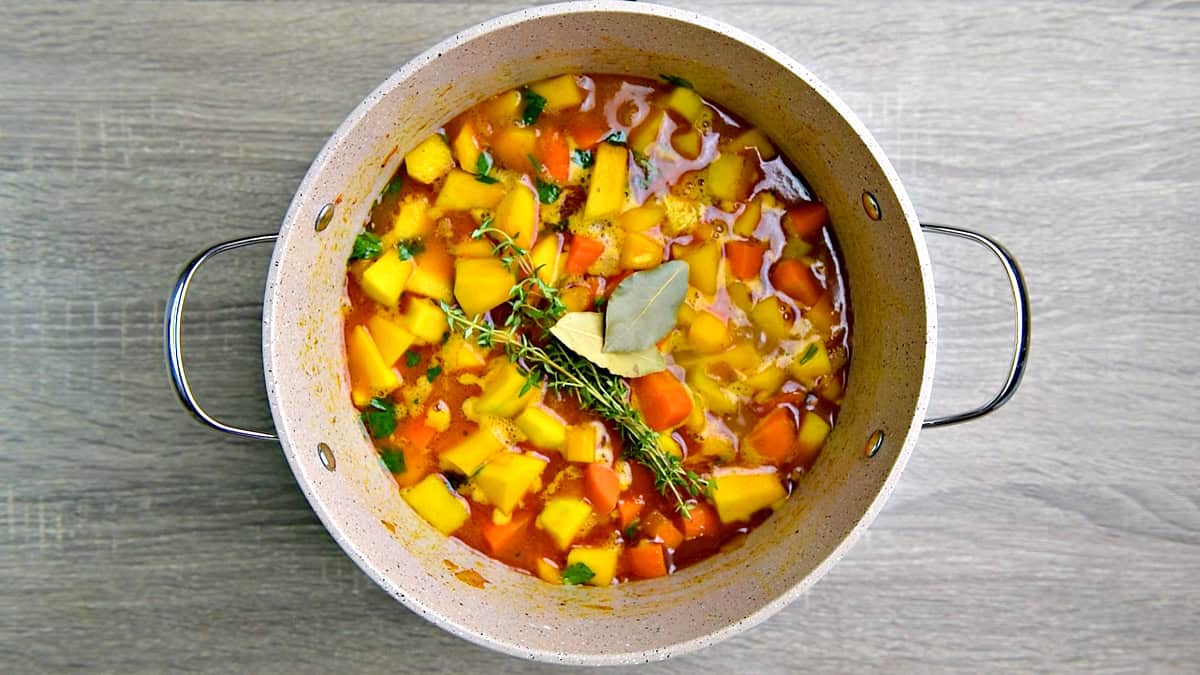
{"x": 1016, "y": 369}
{"x": 172, "y": 323}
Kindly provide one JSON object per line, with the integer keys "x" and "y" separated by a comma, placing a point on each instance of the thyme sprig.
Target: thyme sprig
{"x": 524, "y": 297}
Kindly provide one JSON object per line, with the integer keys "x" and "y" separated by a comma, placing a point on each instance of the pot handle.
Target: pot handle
{"x": 172, "y": 322}
{"x": 1016, "y": 369}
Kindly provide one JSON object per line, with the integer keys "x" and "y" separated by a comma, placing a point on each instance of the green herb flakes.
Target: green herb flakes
{"x": 631, "y": 531}
{"x": 366, "y": 247}
{"x": 432, "y": 373}
{"x": 547, "y": 192}
{"x": 483, "y": 169}
{"x": 577, "y": 574}
{"x": 380, "y": 417}
{"x": 534, "y": 104}
{"x": 584, "y": 158}
{"x": 677, "y": 81}
{"x": 393, "y": 459}
{"x": 617, "y": 137}
{"x": 394, "y": 185}
{"x": 409, "y": 248}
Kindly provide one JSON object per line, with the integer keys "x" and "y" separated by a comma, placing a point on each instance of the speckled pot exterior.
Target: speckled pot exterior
{"x": 890, "y": 376}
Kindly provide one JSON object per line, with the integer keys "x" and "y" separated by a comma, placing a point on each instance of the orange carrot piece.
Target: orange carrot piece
{"x": 806, "y": 218}
{"x": 602, "y": 487}
{"x": 774, "y": 437}
{"x": 703, "y": 522}
{"x": 657, "y": 526}
{"x": 745, "y": 258}
{"x": 587, "y": 130}
{"x": 582, "y": 252}
{"x": 501, "y": 538}
{"x": 628, "y": 510}
{"x": 417, "y": 433}
{"x": 664, "y": 401}
{"x": 647, "y": 560}
{"x": 794, "y": 278}
{"x": 554, "y": 154}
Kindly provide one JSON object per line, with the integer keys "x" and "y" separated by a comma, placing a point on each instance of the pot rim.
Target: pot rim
{"x": 423, "y": 59}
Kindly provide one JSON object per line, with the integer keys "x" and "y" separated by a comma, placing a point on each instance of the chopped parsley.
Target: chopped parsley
{"x": 380, "y": 417}
{"x": 577, "y": 574}
{"x": 631, "y": 530}
{"x": 547, "y": 192}
{"x": 411, "y": 358}
{"x": 677, "y": 81}
{"x": 599, "y": 302}
{"x": 432, "y": 373}
{"x": 808, "y": 354}
{"x": 617, "y": 137}
{"x": 393, "y": 459}
{"x": 584, "y": 158}
{"x": 483, "y": 169}
{"x": 366, "y": 247}
{"x": 534, "y": 104}
{"x": 409, "y": 248}
{"x": 394, "y": 185}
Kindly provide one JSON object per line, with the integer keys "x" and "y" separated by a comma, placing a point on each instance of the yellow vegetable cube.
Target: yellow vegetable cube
{"x": 502, "y": 391}
{"x": 391, "y": 338}
{"x": 384, "y": 280}
{"x": 754, "y": 138}
{"x": 685, "y": 315}
{"x": 704, "y": 267}
{"x": 471, "y": 452}
{"x": 646, "y": 134}
{"x": 411, "y": 222}
{"x": 459, "y": 354}
{"x": 610, "y": 177}
{"x": 504, "y": 107}
{"x": 668, "y": 444}
{"x": 430, "y": 160}
{"x": 547, "y": 571}
{"x": 577, "y": 298}
{"x": 481, "y": 284}
{"x": 729, "y": 177}
{"x": 642, "y": 218}
{"x": 425, "y": 320}
{"x": 547, "y": 258}
{"x": 683, "y": 215}
{"x": 517, "y": 215}
{"x": 747, "y": 221}
{"x": 543, "y": 428}
{"x": 506, "y": 478}
{"x": 581, "y": 442}
{"x": 601, "y": 560}
{"x": 811, "y": 362}
{"x": 466, "y": 146}
{"x": 813, "y": 431}
{"x": 640, "y": 252}
{"x": 563, "y": 519}
{"x": 773, "y": 318}
{"x": 717, "y": 445}
{"x": 438, "y": 416}
{"x": 686, "y": 102}
{"x": 741, "y": 296}
{"x": 716, "y": 397}
{"x": 461, "y": 192}
{"x": 742, "y": 357}
{"x": 688, "y": 143}
{"x": 739, "y": 494}
{"x": 512, "y": 147}
{"x": 768, "y": 380}
{"x": 708, "y": 333}
{"x": 472, "y": 248}
{"x": 431, "y": 281}
{"x": 434, "y": 501}
{"x": 560, "y": 92}
{"x": 370, "y": 375}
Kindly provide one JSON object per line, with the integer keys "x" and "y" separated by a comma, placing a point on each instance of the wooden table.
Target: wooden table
{"x": 1061, "y": 533}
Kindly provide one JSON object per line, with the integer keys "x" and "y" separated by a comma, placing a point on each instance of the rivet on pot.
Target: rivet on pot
{"x": 325, "y": 217}
{"x": 874, "y": 443}
{"x": 326, "y": 454}
{"x": 871, "y": 206}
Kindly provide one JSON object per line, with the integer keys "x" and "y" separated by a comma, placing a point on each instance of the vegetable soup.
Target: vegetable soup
{"x": 596, "y": 328}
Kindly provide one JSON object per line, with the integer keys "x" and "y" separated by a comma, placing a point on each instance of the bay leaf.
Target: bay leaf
{"x": 583, "y": 333}
{"x": 642, "y": 308}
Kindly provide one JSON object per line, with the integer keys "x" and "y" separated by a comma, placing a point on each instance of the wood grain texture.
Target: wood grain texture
{"x": 1061, "y": 533}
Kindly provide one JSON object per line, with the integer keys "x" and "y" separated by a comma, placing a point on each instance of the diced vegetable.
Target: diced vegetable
{"x": 717, "y": 398}
{"x": 702, "y": 522}
{"x": 430, "y": 160}
{"x": 517, "y": 215}
{"x": 601, "y": 487}
{"x": 768, "y": 380}
{"x": 438, "y": 417}
{"x": 578, "y": 298}
{"x": 745, "y": 258}
{"x": 563, "y": 519}
{"x": 470, "y": 453}
{"x": 627, "y": 511}
{"x": 811, "y": 362}
{"x": 806, "y": 218}
{"x": 434, "y": 501}
{"x": 431, "y": 281}
{"x": 610, "y": 177}
{"x": 587, "y": 130}
{"x": 642, "y": 218}
{"x": 709, "y": 334}
{"x": 417, "y": 433}
{"x": 390, "y": 338}
{"x": 795, "y": 249}
{"x": 582, "y": 252}
{"x": 503, "y": 109}
{"x": 772, "y": 317}
{"x": 502, "y": 391}
{"x": 739, "y": 494}
{"x": 425, "y": 320}
{"x": 640, "y": 252}
{"x": 513, "y": 146}
{"x": 754, "y": 138}
{"x": 747, "y": 221}
{"x": 773, "y": 438}
{"x": 795, "y": 279}
{"x": 560, "y": 92}
{"x": 547, "y": 571}
{"x": 412, "y": 221}
{"x": 601, "y": 560}
{"x": 813, "y": 432}
{"x": 646, "y": 133}
{"x": 683, "y": 215}
{"x": 686, "y": 102}
{"x": 730, "y": 177}
{"x": 466, "y": 145}
{"x": 461, "y": 192}
{"x": 581, "y": 443}
{"x": 370, "y": 375}
{"x": 507, "y": 476}
{"x": 543, "y": 428}
{"x": 821, "y": 315}
{"x": 657, "y": 526}
{"x": 664, "y": 401}
{"x": 547, "y": 258}
{"x": 687, "y": 143}
{"x": 459, "y": 354}
{"x": 384, "y": 280}
{"x": 647, "y": 560}
{"x": 502, "y": 539}
{"x": 667, "y": 442}
{"x": 742, "y": 357}
{"x": 554, "y": 154}
{"x": 480, "y": 284}
{"x": 704, "y": 266}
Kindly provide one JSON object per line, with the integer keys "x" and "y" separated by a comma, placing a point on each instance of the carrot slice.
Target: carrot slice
{"x": 794, "y": 278}
{"x": 587, "y": 130}
{"x": 806, "y": 219}
{"x": 582, "y": 252}
{"x": 647, "y": 560}
{"x": 417, "y": 433}
{"x": 703, "y": 522}
{"x": 664, "y": 401}
{"x": 601, "y": 486}
{"x": 554, "y": 154}
{"x": 773, "y": 439}
{"x": 628, "y": 510}
{"x": 657, "y": 526}
{"x": 745, "y": 258}
{"x": 501, "y": 538}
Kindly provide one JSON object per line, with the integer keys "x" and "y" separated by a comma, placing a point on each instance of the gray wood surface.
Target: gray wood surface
{"x": 1061, "y": 533}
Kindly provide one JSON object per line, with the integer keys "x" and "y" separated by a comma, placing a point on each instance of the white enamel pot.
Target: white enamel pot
{"x": 891, "y": 372}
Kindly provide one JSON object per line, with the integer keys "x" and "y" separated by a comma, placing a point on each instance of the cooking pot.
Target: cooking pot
{"x": 891, "y": 372}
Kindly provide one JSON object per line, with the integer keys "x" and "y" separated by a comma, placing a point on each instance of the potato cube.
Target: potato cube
{"x": 601, "y": 560}
{"x": 506, "y": 478}
{"x": 610, "y": 178}
{"x": 512, "y": 147}
{"x": 480, "y": 284}
{"x": 370, "y": 375}
{"x": 471, "y": 452}
{"x": 704, "y": 267}
{"x": 517, "y": 215}
{"x": 717, "y": 398}
{"x": 466, "y": 146}
{"x": 547, "y": 258}
{"x": 425, "y": 320}
{"x": 502, "y": 391}
{"x": 708, "y": 333}
{"x": 391, "y": 338}
{"x": 384, "y": 280}
{"x": 739, "y": 494}
{"x": 768, "y": 380}
{"x": 754, "y": 138}
{"x": 811, "y": 361}
{"x": 686, "y": 102}
{"x": 747, "y": 221}
{"x": 742, "y": 357}
{"x": 687, "y": 143}
{"x": 547, "y": 571}
{"x": 730, "y": 177}
{"x": 459, "y": 354}
{"x": 434, "y": 501}
{"x": 430, "y": 160}
{"x": 563, "y": 518}
{"x": 813, "y": 431}
{"x": 581, "y": 443}
{"x": 772, "y": 317}
{"x": 412, "y": 221}
{"x": 560, "y": 92}
{"x": 544, "y": 429}
{"x": 646, "y": 133}
{"x": 640, "y": 252}
{"x": 461, "y": 192}
{"x": 642, "y": 218}
{"x": 431, "y": 281}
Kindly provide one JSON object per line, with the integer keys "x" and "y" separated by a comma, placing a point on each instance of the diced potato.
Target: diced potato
{"x": 685, "y": 315}
{"x": 640, "y": 252}
{"x": 386, "y": 278}
{"x": 768, "y": 380}
{"x": 466, "y": 146}
{"x": 431, "y": 281}
{"x": 685, "y": 102}
{"x": 740, "y": 494}
{"x": 502, "y": 391}
{"x": 718, "y": 446}
{"x": 754, "y": 138}
{"x": 795, "y": 249}
{"x": 687, "y": 143}
{"x": 739, "y": 294}
{"x": 683, "y": 215}
{"x": 581, "y": 443}
{"x": 601, "y": 560}
{"x": 563, "y": 519}
{"x": 503, "y": 108}
{"x": 708, "y": 333}
{"x": 481, "y": 284}
{"x": 425, "y": 320}
{"x": 667, "y": 442}
{"x": 434, "y": 501}
{"x": 742, "y": 357}
{"x": 771, "y": 317}
{"x": 471, "y": 452}
{"x": 821, "y": 315}
{"x": 411, "y": 222}
{"x": 560, "y": 92}
{"x": 517, "y": 215}
{"x": 430, "y": 160}
{"x": 577, "y": 298}
{"x": 716, "y": 397}
{"x": 547, "y": 258}
{"x": 815, "y": 365}
{"x": 543, "y": 428}
{"x": 747, "y": 221}
{"x": 512, "y": 147}
{"x": 646, "y": 133}
{"x": 547, "y": 571}
{"x": 704, "y": 266}
{"x": 813, "y": 431}
{"x": 459, "y": 354}
{"x": 391, "y": 338}
{"x": 610, "y": 177}
{"x": 370, "y": 375}
{"x": 730, "y": 177}
{"x": 506, "y": 478}
{"x": 461, "y": 192}
{"x": 642, "y": 218}
{"x": 438, "y": 416}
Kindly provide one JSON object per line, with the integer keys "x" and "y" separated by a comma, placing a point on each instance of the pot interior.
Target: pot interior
{"x": 891, "y": 359}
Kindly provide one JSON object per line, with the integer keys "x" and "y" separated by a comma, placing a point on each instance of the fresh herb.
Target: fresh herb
{"x": 584, "y": 158}
{"x": 642, "y": 308}
{"x": 649, "y": 171}
{"x": 615, "y": 138}
{"x": 808, "y": 354}
{"x": 366, "y": 247}
{"x": 583, "y": 333}
{"x": 380, "y": 417}
{"x": 393, "y": 459}
{"x": 408, "y": 248}
{"x": 432, "y": 373}
{"x": 411, "y": 358}
{"x": 561, "y": 226}
{"x": 577, "y": 574}
{"x": 599, "y": 302}
{"x": 394, "y": 185}
{"x": 534, "y": 104}
{"x": 547, "y": 192}
{"x": 483, "y": 169}
{"x": 525, "y": 296}
{"x": 677, "y": 81}
{"x": 631, "y": 530}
